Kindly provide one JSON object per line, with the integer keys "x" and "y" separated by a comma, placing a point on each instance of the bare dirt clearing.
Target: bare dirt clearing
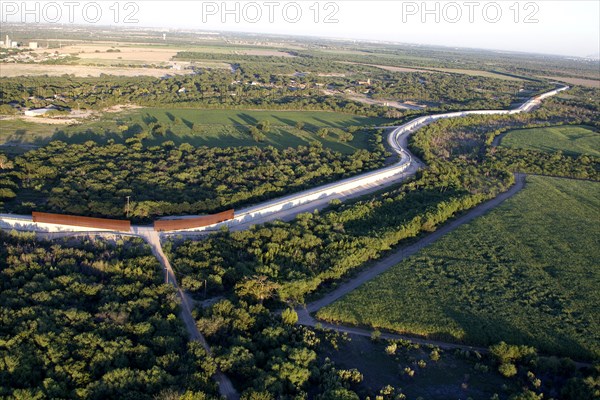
{"x": 42, "y": 120}
{"x": 12, "y": 70}
{"x": 408, "y": 105}
{"x": 121, "y": 107}
{"x": 74, "y": 117}
{"x": 107, "y": 52}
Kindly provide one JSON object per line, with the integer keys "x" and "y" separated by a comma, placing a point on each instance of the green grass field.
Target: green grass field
{"x": 573, "y": 140}
{"x": 217, "y": 128}
{"x": 526, "y": 273}
{"x": 14, "y": 130}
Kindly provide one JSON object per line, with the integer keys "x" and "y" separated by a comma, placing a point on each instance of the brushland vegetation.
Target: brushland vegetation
{"x": 93, "y": 320}
{"x": 93, "y": 180}
{"x": 525, "y": 273}
{"x": 570, "y": 140}
{"x": 400, "y": 369}
{"x": 451, "y": 299}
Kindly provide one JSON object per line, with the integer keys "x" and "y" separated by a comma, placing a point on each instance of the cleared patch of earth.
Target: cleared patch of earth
{"x": 401, "y": 105}
{"x": 74, "y": 117}
{"x": 12, "y": 70}
{"x": 406, "y": 105}
{"x": 144, "y": 54}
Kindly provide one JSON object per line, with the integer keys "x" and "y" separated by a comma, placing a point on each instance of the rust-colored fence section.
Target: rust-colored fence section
{"x": 88, "y": 222}
{"x": 190, "y": 223}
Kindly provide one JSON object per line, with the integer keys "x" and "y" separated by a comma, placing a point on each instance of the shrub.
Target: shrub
{"x": 507, "y": 353}
{"x": 391, "y": 349}
{"x": 289, "y": 316}
{"x": 508, "y": 370}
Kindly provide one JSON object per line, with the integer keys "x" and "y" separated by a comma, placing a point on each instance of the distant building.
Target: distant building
{"x": 14, "y": 45}
{"x": 33, "y": 45}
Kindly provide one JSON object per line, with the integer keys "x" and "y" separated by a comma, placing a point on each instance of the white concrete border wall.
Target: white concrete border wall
{"x": 326, "y": 191}
{"x": 396, "y": 140}
{"x": 337, "y": 189}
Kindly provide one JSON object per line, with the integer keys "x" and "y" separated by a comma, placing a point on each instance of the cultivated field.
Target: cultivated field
{"x": 471, "y": 72}
{"x": 13, "y": 69}
{"x": 570, "y": 139}
{"x": 526, "y": 273}
{"x": 390, "y": 68}
{"x": 126, "y": 53}
{"x": 223, "y": 128}
{"x": 593, "y": 83}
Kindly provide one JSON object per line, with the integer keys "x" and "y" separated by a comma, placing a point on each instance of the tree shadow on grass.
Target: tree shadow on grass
{"x": 486, "y": 330}
{"x": 82, "y": 137}
{"x": 188, "y": 123}
{"x": 285, "y": 121}
{"x": 327, "y": 123}
{"x": 246, "y": 118}
{"x": 170, "y": 116}
{"x": 149, "y": 119}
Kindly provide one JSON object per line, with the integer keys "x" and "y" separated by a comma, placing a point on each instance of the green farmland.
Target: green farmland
{"x": 525, "y": 273}
{"x": 572, "y": 140}
{"x": 213, "y": 128}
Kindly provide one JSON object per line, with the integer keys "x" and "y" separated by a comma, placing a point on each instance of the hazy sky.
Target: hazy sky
{"x": 554, "y": 26}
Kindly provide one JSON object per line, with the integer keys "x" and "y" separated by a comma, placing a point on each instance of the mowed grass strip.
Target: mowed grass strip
{"x": 573, "y": 140}
{"x": 528, "y": 272}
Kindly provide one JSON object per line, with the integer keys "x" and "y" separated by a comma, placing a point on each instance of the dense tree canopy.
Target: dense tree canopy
{"x": 92, "y": 320}
{"x": 92, "y": 179}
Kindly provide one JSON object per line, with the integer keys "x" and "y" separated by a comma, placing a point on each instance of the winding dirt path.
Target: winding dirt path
{"x": 152, "y": 237}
